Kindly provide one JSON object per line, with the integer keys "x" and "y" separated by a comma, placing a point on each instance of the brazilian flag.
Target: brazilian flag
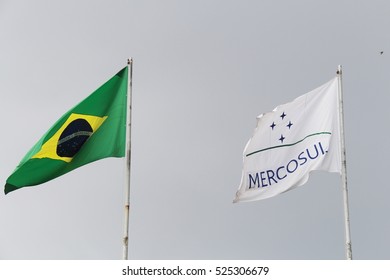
{"x": 92, "y": 130}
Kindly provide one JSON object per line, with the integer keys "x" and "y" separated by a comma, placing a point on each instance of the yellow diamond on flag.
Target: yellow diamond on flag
{"x": 71, "y": 136}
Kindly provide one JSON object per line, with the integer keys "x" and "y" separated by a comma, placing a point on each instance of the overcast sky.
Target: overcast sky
{"x": 203, "y": 71}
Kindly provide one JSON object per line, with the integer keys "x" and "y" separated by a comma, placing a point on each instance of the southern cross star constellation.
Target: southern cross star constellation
{"x": 289, "y": 125}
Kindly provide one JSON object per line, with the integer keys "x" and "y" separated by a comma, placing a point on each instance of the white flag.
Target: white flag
{"x": 290, "y": 142}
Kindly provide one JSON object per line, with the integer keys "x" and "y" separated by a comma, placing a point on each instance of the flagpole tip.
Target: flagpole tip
{"x": 129, "y": 61}
{"x": 339, "y": 71}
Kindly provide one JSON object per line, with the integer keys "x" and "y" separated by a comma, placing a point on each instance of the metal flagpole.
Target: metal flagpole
{"x": 348, "y": 244}
{"x": 128, "y": 159}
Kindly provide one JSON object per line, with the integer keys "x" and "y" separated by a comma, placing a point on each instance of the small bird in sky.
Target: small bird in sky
{"x": 381, "y": 52}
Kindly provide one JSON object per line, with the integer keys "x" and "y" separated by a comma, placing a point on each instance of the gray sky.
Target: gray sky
{"x": 203, "y": 71}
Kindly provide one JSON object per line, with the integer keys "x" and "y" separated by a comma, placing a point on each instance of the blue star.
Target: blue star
{"x": 281, "y": 139}
{"x": 273, "y": 125}
{"x": 289, "y": 125}
{"x": 283, "y": 115}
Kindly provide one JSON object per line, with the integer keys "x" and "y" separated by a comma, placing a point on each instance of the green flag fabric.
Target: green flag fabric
{"x": 92, "y": 130}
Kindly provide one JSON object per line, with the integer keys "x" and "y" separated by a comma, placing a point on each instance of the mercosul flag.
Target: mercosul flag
{"x": 92, "y": 130}
{"x": 290, "y": 142}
